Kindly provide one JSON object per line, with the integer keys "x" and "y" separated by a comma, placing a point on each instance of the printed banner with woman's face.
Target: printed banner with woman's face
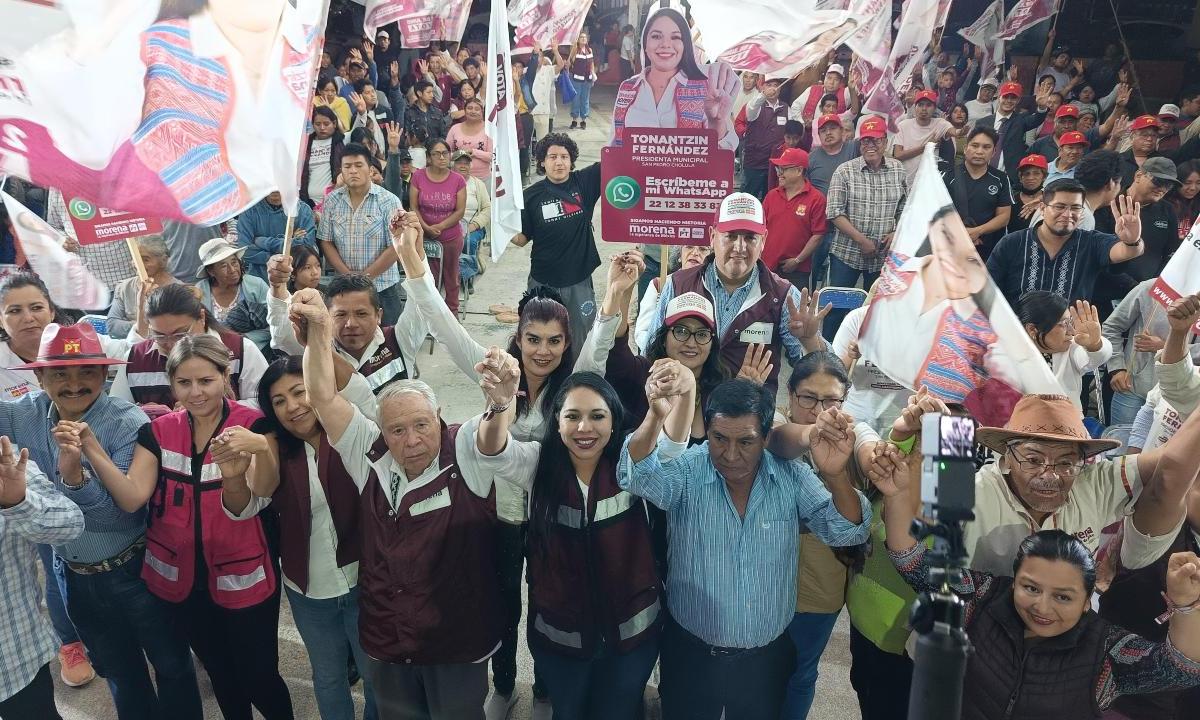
{"x": 937, "y": 319}
{"x": 547, "y": 23}
{"x": 183, "y": 109}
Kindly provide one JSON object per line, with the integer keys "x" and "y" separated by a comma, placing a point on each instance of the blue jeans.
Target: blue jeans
{"x": 810, "y": 633}
{"x": 581, "y": 106}
{"x": 122, "y": 625}
{"x": 1125, "y": 408}
{"x": 820, "y": 260}
{"x": 329, "y": 629}
{"x": 842, "y": 275}
{"x": 608, "y": 687}
{"x": 63, "y": 627}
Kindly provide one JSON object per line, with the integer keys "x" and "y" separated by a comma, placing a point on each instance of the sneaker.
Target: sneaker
{"x": 574, "y": 125}
{"x": 542, "y": 709}
{"x": 583, "y": 124}
{"x": 499, "y": 707}
{"x": 76, "y": 670}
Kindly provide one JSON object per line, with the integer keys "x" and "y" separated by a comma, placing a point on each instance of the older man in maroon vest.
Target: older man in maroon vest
{"x": 428, "y": 606}
{"x": 754, "y": 306}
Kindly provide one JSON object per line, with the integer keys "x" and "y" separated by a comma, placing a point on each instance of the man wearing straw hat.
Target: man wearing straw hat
{"x": 1042, "y": 478}
{"x": 118, "y": 619}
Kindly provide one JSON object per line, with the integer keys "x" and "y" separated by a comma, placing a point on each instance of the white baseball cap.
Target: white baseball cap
{"x": 690, "y": 304}
{"x": 741, "y": 211}
{"x": 837, "y": 69}
{"x": 990, "y": 81}
{"x": 1169, "y": 110}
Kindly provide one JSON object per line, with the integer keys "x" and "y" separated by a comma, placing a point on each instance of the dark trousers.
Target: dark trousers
{"x": 510, "y": 564}
{"x": 428, "y": 692}
{"x": 754, "y": 181}
{"x": 880, "y": 679}
{"x": 35, "y": 700}
{"x": 609, "y": 687}
{"x": 122, "y": 625}
{"x": 747, "y": 685}
{"x": 240, "y": 651}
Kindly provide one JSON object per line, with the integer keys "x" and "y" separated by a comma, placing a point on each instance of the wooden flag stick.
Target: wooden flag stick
{"x": 664, "y": 259}
{"x": 136, "y": 254}
{"x": 287, "y": 236}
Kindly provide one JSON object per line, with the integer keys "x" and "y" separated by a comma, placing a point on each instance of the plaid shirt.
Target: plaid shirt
{"x": 27, "y": 642}
{"x": 361, "y": 234}
{"x": 871, "y": 200}
{"x": 109, "y": 262}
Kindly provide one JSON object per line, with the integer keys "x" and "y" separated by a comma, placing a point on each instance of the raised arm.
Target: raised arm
{"x": 30, "y": 505}
{"x": 131, "y": 491}
{"x": 499, "y": 376}
{"x": 642, "y": 471}
{"x": 1128, "y": 216}
{"x": 308, "y": 309}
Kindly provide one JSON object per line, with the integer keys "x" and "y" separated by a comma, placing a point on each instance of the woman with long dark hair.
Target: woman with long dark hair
{"x": 594, "y": 588}
{"x": 1186, "y": 198}
{"x": 323, "y": 158}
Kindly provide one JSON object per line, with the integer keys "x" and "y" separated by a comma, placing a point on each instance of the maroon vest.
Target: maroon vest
{"x": 594, "y": 580}
{"x": 767, "y": 310}
{"x": 293, "y": 502}
{"x": 387, "y": 364}
{"x": 1054, "y": 679}
{"x": 763, "y": 134}
{"x": 1132, "y": 601}
{"x": 147, "y": 371}
{"x": 428, "y": 583}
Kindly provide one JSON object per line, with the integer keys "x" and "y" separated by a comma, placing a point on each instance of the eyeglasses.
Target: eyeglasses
{"x": 168, "y": 337}
{"x": 1038, "y": 466}
{"x": 808, "y": 402}
{"x": 440, "y": 153}
{"x": 1061, "y": 208}
{"x": 869, "y": 141}
{"x": 682, "y": 333}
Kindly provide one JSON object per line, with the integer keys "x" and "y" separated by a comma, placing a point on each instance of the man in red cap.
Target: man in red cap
{"x": 1067, "y": 119}
{"x": 912, "y": 133}
{"x": 1027, "y": 200}
{"x": 120, "y": 622}
{"x": 1071, "y": 147}
{"x": 1144, "y": 133}
{"x": 795, "y": 215}
{"x": 1011, "y": 125}
{"x": 794, "y": 136}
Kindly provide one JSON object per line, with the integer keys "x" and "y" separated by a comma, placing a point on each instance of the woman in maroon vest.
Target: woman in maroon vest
{"x": 594, "y": 587}
{"x": 207, "y": 553}
{"x": 1040, "y": 651}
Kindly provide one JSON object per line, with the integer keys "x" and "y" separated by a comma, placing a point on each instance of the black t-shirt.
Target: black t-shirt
{"x": 557, "y": 219}
{"x": 977, "y": 201}
{"x": 1160, "y": 232}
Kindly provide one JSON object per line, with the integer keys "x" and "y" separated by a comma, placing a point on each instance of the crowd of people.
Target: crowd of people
{"x": 245, "y": 423}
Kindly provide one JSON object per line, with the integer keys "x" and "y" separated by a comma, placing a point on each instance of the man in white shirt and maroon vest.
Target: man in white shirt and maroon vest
{"x": 753, "y": 304}
{"x": 380, "y": 354}
{"x": 428, "y": 611}
{"x": 765, "y": 117}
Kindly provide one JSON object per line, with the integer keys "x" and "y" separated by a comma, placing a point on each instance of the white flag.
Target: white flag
{"x": 982, "y": 33}
{"x": 507, "y": 197}
{"x": 1024, "y": 15}
{"x": 1181, "y": 276}
{"x": 70, "y": 283}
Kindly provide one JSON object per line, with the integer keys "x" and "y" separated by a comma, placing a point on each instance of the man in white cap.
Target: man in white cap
{"x": 1168, "y": 128}
{"x": 753, "y": 305}
{"x": 984, "y": 103}
{"x": 804, "y": 108}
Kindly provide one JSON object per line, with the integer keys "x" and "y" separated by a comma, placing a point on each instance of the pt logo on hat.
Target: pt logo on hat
{"x": 81, "y": 209}
{"x": 622, "y": 192}
{"x": 71, "y": 347}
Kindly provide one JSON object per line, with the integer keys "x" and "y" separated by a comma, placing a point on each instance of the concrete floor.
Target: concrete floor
{"x": 460, "y": 397}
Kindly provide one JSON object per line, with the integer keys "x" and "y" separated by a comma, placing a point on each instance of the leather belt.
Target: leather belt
{"x": 112, "y": 563}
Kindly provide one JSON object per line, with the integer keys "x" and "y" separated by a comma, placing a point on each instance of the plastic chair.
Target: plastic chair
{"x": 841, "y": 298}
{"x": 1117, "y": 432}
{"x": 98, "y": 322}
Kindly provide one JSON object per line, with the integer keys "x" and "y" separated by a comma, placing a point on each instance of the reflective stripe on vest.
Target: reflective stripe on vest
{"x": 234, "y": 583}
{"x": 639, "y": 623}
{"x": 386, "y": 374}
{"x": 170, "y": 572}
{"x": 562, "y": 637}
{"x": 613, "y": 506}
{"x": 571, "y": 517}
{"x": 182, "y": 464}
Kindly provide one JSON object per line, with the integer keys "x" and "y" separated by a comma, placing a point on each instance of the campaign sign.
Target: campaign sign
{"x": 95, "y": 225}
{"x": 1181, "y": 276}
{"x": 663, "y": 186}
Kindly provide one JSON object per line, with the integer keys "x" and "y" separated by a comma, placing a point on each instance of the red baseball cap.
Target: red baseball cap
{"x": 792, "y": 157}
{"x": 929, "y": 95}
{"x": 873, "y": 127}
{"x": 64, "y": 345}
{"x": 1034, "y": 160}
{"x": 1144, "y": 121}
{"x": 1011, "y": 88}
{"x": 1072, "y": 138}
{"x": 1066, "y": 111}
{"x": 828, "y": 118}
{"x": 741, "y": 211}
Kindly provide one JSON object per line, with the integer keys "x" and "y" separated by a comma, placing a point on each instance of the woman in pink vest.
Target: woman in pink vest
{"x": 207, "y": 552}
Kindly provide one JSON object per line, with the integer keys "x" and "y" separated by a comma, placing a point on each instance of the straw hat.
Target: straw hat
{"x": 1050, "y": 418}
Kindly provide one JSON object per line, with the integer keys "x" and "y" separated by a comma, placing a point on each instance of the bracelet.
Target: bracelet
{"x": 494, "y": 409}
{"x": 1173, "y": 609}
{"x": 1133, "y": 244}
{"x": 904, "y": 446}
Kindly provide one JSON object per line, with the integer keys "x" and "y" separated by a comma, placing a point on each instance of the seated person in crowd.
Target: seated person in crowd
{"x": 131, "y": 293}
{"x": 231, "y": 296}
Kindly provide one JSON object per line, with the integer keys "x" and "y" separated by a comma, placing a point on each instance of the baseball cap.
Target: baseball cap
{"x": 741, "y": 211}
{"x": 1169, "y": 110}
{"x": 792, "y": 157}
{"x": 383, "y": 33}
{"x": 990, "y": 81}
{"x": 460, "y": 154}
{"x": 1072, "y": 138}
{"x": 690, "y": 304}
{"x": 1144, "y": 121}
{"x": 1034, "y": 160}
{"x": 1011, "y": 88}
{"x": 837, "y": 69}
{"x": 873, "y": 127}
{"x": 828, "y": 118}
{"x": 929, "y": 95}
{"x": 404, "y": 156}
{"x": 1066, "y": 111}
{"x": 1161, "y": 168}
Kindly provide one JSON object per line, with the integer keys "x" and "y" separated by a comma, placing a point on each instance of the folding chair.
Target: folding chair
{"x": 841, "y": 298}
{"x": 98, "y": 322}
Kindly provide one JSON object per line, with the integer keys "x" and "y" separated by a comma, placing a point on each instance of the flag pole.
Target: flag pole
{"x": 1137, "y": 85}
{"x": 287, "y": 236}
{"x": 136, "y": 254}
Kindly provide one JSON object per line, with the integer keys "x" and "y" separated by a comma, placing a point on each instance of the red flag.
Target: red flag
{"x": 1024, "y": 15}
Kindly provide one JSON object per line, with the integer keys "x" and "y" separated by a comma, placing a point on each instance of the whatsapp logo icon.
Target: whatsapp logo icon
{"x": 81, "y": 209}
{"x": 622, "y": 192}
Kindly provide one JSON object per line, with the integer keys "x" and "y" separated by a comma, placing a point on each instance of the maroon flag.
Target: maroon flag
{"x": 1024, "y": 15}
